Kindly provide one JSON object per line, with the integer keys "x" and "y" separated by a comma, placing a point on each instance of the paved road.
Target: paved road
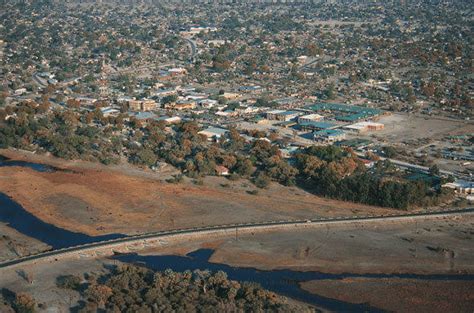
{"x": 193, "y": 46}
{"x": 246, "y": 226}
{"x": 39, "y": 81}
{"x": 413, "y": 166}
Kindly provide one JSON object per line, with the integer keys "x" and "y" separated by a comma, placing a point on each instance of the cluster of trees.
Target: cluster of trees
{"x": 135, "y": 289}
{"x": 328, "y": 171}
{"x": 333, "y": 172}
{"x": 11, "y": 302}
{"x": 65, "y": 134}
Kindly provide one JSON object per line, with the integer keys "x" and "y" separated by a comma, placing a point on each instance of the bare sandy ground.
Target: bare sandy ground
{"x": 435, "y": 246}
{"x": 399, "y": 295}
{"x": 43, "y": 286}
{"x": 95, "y": 199}
{"x": 424, "y": 247}
{"x": 400, "y": 127}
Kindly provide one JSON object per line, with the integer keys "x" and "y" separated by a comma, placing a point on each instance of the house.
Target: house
{"x": 461, "y": 186}
{"x": 213, "y": 133}
{"x": 169, "y": 119}
{"x": 254, "y": 88}
{"x": 20, "y": 91}
{"x": 247, "y": 110}
{"x": 177, "y": 71}
{"x": 222, "y": 170}
{"x": 329, "y": 135}
{"x": 288, "y": 152}
{"x": 226, "y": 113}
{"x": 165, "y": 92}
{"x": 181, "y": 105}
{"x": 216, "y": 43}
{"x": 143, "y": 116}
{"x": 109, "y": 111}
{"x": 207, "y": 103}
{"x": 230, "y": 95}
{"x": 368, "y": 163}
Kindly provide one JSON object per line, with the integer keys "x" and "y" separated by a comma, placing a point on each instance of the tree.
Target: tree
{"x": 146, "y": 157}
{"x": 434, "y": 170}
{"x": 24, "y": 303}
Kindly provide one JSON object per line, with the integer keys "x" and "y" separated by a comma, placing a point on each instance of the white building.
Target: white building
{"x": 213, "y": 133}
{"x": 309, "y": 118}
{"x": 364, "y": 127}
{"x": 208, "y": 103}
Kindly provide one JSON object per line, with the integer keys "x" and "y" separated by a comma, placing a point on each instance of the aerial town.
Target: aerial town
{"x": 252, "y": 135}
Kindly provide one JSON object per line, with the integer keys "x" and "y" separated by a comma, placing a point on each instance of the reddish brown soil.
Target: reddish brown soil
{"x": 96, "y": 199}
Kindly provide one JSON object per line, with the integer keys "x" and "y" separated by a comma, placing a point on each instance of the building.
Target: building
{"x": 213, "y": 133}
{"x": 181, "y": 105}
{"x": 177, "y": 71}
{"x": 231, "y": 95}
{"x": 208, "y": 103}
{"x": 165, "y": 92}
{"x": 143, "y": 116}
{"x": 222, "y": 170}
{"x": 309, "y": 118}
{"x": 362, "y": 127}
{"x": 254, "y": 88}
{"x": 281, "y": 115}
{"x": 20, "y": 91}
{"x": 329, "y": 136}
{"x": 226, "y": 113}
{"x": 169, "y": 119}
{"x": 461, "y": 186}
{"x": 314, "y": 126}
{"x": 347, "y": 112}
{"x": 142, "y": 105}
{"x": 109, "y": 111}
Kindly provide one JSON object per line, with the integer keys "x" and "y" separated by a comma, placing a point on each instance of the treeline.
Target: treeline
{"x": 325, "y": 170}
{"x": 130, "y": 288}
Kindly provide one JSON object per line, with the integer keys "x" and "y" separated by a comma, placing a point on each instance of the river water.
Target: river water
{"x": 26, "y": 223}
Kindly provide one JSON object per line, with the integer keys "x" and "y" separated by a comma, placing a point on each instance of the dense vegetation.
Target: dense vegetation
{"x": 328, "y": 171}
{"x": 136, "y": 289}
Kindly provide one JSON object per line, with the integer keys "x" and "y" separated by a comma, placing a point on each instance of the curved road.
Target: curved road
{"x": 193, "y": 48}
{"x": 246, "y": 226}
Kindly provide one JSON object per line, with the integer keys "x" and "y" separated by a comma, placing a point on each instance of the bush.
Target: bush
{"x": 68, "y": 282}
{"x": 262, "y": 180}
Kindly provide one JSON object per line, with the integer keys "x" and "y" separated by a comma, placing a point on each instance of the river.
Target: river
{"x": 284, "y": 282}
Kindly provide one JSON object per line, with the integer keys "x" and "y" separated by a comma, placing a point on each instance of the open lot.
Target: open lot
{"x": 402, "y": 127}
